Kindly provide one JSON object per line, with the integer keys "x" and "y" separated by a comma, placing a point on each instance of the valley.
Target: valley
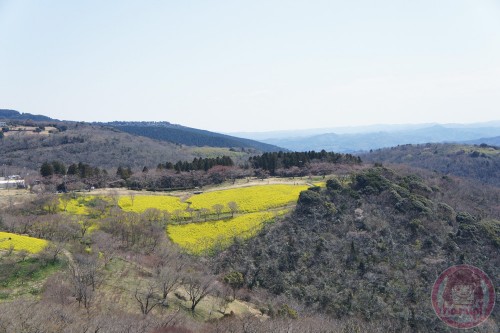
{"x": 216, "y": 239}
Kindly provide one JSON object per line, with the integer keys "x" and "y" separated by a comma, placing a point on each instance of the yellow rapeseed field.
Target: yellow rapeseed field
{"x": 250, "y": 199}
{"x": 198, "y": 238}
{"x": 75, "y": 207}
{"x": 82, "y": 204}
{"x": 30, "y": 244}
{"x": 144, "y": 202}
{"x": 254, "y": 205}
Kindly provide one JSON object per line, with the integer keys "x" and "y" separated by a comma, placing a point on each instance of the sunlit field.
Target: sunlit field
{"x": 199, "y": 238}
{"x": 20, "y": 243}
{"x": 82, "y": 205}
{"x": 250, "y": 199}
{"x": 254, "y": 206}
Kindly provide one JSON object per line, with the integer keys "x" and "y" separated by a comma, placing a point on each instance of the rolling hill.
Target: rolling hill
{"x": 99, "y": 146}
{"x": 372, "y": 249}
{"x": 475, "y": 162}
{"x": 6, "y": 114}
{"x": 165, "y": 131}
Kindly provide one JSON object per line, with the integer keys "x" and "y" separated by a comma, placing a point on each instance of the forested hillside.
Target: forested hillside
{"x": 373, "y": 247}
{"x": 478, "y": 162}
{"x": 165, "y": 131}
{"x": 99, "y": 146}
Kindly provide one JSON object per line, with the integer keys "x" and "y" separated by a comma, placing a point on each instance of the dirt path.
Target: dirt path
{"x": 225, "y": 186}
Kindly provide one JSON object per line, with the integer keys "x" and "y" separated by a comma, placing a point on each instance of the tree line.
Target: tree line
{"x": 80, "y": 169}
{"x": 197, "y": 164}
{"x": 197, "y": 173}
{"x": 277, "y": 160}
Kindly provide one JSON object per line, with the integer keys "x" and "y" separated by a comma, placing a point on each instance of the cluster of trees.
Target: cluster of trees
{"x": 80, "y": 169}
{"x": 52, "y": 168}
{"x": 276, "y": 160}
{"x": 125, "y": 173}
{"x": 197, "y": 164}
{"x": 78, "y": 176}
{"x": 84, "y": 170}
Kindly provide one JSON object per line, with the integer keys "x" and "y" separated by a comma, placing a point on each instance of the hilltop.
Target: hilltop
{"x": 372, "y": 248}
{"x": 476, "y": 162}
{"x": 6, "y": 114}
{"x": 165, "y": 131}
{"x": 100, "y": 146}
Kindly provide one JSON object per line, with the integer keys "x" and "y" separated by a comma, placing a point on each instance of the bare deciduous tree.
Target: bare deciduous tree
{"x": 106, "y": 245}
{"x": 197, "y": 288}
{"x": 65, "y": 199}
{"x": 86, "y": 276}
{"x": 168, "y": 271}
{"x": 233, "y": 207}
{"x": 131, "y": 195}
{"x": 51, "y": 252}
{"x": 218, "y": 209}
{"x": 204, "y": 212}
{"x": 147, "y": 299}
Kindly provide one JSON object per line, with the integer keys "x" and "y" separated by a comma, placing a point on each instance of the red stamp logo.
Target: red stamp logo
{"x": 463, "y": 296}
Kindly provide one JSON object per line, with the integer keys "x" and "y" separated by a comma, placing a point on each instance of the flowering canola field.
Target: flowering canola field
{"x": 198, "y": 238}
{"x": 81, "y": 204}
{"x": 254, "y": 205}
{"x": 30, "y": 244}
{"x": 250, "y": 199}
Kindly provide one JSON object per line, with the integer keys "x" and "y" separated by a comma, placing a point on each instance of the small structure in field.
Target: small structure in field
{"x": 14, "y": 181}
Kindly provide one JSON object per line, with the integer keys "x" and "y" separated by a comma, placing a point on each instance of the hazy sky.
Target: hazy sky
{"x": 253, "y": 65}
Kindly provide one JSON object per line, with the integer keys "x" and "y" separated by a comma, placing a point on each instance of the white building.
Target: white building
{"x": 11, "y": 182}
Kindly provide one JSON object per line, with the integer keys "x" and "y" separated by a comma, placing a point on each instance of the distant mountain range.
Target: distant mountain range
{"x": 381, "y": 136}
{"x": 494, "y": 141}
